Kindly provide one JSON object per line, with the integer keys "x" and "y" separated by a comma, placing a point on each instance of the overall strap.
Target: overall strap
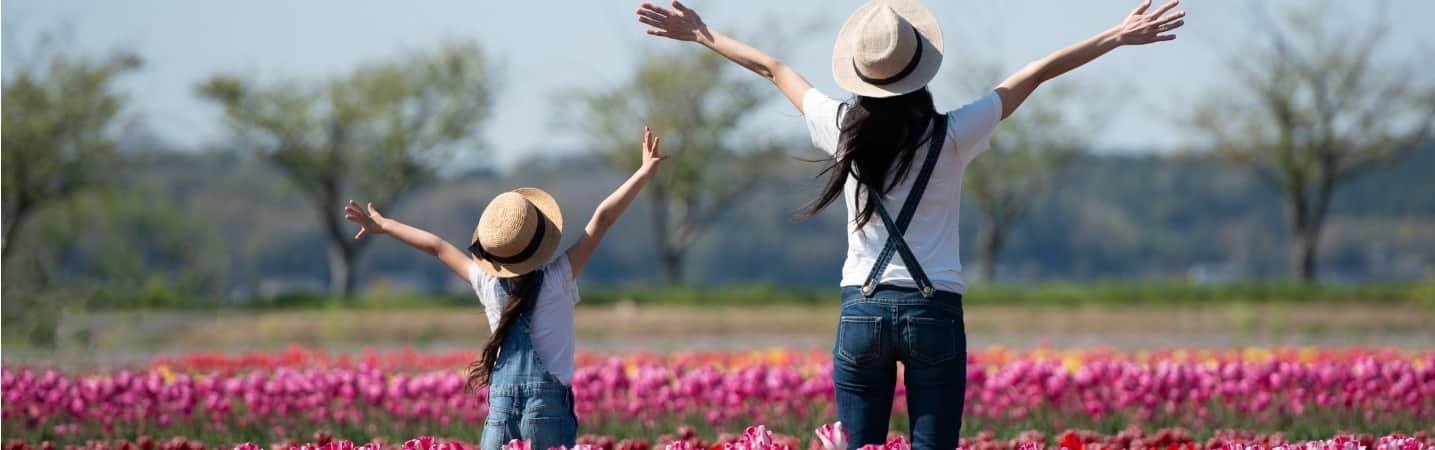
{"x": 519, "y": 366}
{"x": 538, "y": 283}
{"x": 895, "y": 242}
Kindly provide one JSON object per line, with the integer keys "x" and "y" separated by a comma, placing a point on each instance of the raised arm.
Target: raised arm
{"x": 371, "y": 222}
{"x": 612, "y": 207}
{"x": 684, "y": 24}
{"x": 1139, "y": 28}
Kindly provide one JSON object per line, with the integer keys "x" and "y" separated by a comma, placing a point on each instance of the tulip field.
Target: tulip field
{"x": 1259, "y": 396}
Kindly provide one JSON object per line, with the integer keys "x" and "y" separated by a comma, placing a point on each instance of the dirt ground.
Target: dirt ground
{"x": 122, "y": 338}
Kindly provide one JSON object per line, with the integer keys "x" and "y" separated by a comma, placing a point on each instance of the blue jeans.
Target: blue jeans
{"x": 525, "y": 401}
{"x": 928, "y": 336}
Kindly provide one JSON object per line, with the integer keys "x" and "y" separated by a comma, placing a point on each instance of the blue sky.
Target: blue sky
{"x": 549, "y": 47}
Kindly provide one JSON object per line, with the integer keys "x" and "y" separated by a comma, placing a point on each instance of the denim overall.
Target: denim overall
{"x": 525, "y": 401}
{"x": 920, "y": 327}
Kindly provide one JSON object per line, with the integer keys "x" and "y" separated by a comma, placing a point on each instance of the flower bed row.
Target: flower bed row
{"x": 828, "y": 437}
{"x": 642, "y": 395}
{"x": 412, "y": 360}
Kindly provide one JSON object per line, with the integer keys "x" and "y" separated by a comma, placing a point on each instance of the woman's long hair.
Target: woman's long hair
{"x": 878, "y": 135}
{"x": 522, "y": 296}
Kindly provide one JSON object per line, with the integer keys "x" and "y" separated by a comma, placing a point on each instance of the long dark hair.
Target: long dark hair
{"x": 521, "y": 298}
{"x": 878, "y": 136}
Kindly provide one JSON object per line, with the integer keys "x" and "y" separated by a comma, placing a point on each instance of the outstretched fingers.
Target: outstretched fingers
{"x": 1141, "y": 9}
{"x": 681, "y": 7}
{"x": 651, "y": 15}
{"x": 649, "y": 9}
{"x": 1171, "y": 18}
{"x": 1164, "y": 8}
{"x": 651, "y": 144}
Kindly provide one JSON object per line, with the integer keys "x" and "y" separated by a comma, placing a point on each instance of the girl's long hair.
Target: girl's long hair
{"x": 522, "y": 296}
{"x": 879, "y": 137}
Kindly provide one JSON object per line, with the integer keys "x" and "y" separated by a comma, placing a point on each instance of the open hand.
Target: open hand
{"x": 651, "y": 157}
{"x": 370, "y": 221}
{"x": 680, "y": 22}
{"x": 1141, "y": 28}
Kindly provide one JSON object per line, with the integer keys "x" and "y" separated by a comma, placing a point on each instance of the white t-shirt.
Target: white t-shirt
{"x": 933, "y": 233}
{"x": 552, "y": 330}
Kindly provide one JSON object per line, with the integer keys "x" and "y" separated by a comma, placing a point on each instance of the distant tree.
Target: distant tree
{"x": 375, "y": 133}
{"x": 1028, "y": 152}
{"x": 1315, "y": 107}
{"x": 697, "y": 104}
{"x": 60, "y": 116}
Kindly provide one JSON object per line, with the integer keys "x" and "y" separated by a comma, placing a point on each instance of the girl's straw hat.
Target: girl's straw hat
{"x": 887, "y": 48}
{"x": 518, "y": 232}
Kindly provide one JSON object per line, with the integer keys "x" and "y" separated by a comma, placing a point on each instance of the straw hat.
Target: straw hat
{"x": 887, "y": 48}
{"x": 518, "y": 232}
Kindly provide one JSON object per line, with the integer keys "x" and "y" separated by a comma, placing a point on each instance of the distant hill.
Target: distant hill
{"x": 1109, "y": 217}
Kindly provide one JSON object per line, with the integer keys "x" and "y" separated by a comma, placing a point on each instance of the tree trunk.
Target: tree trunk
{"x": 1306, "y": 247}
{"x": 5, "y": 248}
{"x": 12, "y": 228}
{"x": 989, "y": 242}
{"x": 1307, "y": 213}
{"x": 669, "y": 255}
{"x": 1303, "y": 253}
{"x": 341, "y": 271}
{"x": 672, "y": 259}
{"x": 342, "y": 251}
{"x": 1297, "y": 207}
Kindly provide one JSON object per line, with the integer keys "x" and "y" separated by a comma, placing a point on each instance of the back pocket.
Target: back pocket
{"x": 859, "y": 339}
{"x": 931, "y": 341}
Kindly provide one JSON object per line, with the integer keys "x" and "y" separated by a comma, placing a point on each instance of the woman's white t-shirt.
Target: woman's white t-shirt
{"x": 933, "y": 233}
{"x": 552, "y": 331}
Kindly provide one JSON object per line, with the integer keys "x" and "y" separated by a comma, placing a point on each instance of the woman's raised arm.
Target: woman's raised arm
{"x": 683, "y": 24}
{"x": 1139, "y": 28}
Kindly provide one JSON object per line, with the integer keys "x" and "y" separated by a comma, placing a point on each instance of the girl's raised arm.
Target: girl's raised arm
{"x": 371, "y": 222}
{"x": 612, "y": 207}
{"x": 684, "y": 24}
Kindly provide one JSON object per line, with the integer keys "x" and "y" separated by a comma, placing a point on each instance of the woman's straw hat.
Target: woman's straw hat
{"x": 517, "y": 233}
{"x": 887, "y": 48}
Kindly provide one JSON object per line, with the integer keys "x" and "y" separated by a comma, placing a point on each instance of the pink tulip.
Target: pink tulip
{"x": 517, "y": 444}
{"x": 832, "y": 435}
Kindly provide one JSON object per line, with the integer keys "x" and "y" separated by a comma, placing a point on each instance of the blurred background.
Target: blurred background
{"x": 174, "y": 174}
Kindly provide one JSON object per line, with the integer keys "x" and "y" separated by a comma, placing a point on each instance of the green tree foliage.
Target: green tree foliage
{"x": 1028, "y": 153}
{"x": 1316, "y": 106}
{"x": 374, "y": 134}
{"x": 122, "y": 247}
{"x": 697, "y": 103}
{"x": 60, "y": 115}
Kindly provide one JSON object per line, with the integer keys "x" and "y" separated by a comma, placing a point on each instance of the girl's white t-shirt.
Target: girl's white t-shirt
{"x": 552, "y": 331}
{"x": 933, "y": 234}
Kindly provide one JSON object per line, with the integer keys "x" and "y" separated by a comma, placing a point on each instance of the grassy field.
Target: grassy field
{"x": 90, "y": 339}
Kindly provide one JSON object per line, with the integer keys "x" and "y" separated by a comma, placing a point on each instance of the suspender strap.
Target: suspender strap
{"x": 895, "y": 242}
{"x": 503, "y": 285}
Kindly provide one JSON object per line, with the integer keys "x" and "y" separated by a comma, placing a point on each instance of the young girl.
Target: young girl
{"x": 527, "y": 363}
{"x": 902, "y": 282}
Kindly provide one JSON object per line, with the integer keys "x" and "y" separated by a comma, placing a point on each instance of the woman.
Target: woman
{"x": 901, "y": 292}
